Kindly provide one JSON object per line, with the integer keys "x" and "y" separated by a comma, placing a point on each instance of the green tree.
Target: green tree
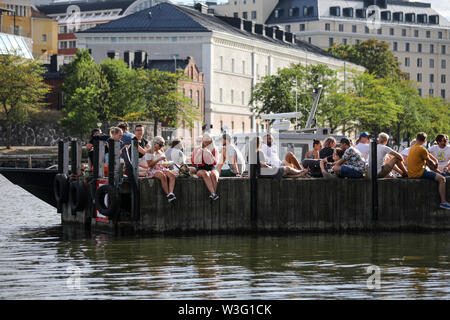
{"x": 22, "y": 90}
{"x": 372, "y": 54}
{"x": 164, "y": 102}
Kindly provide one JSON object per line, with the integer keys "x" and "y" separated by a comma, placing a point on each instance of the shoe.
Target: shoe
{"x": 445, "y": 205}
{"x": 214, "y": 196}
{"x": 171, "y": 197}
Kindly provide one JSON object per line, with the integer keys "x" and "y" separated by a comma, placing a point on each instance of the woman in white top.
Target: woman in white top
{"x": 156, "y": 169}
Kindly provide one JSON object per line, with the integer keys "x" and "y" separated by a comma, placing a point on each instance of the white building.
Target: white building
{"x": 233, "y": 54}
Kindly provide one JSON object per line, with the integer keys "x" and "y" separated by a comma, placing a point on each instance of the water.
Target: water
{"x": 41, "y": 260}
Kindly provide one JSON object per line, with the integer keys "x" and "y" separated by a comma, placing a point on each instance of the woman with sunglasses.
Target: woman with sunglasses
{"x": 156, "y": 169}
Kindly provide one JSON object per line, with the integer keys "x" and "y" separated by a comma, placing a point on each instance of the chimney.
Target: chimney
{"x": 201, "y": 7}
{"x": 235, "y": 22}
{"x": 249, "y": 26}
{"x": 259, "y": 29}
{"x": 289, "y": 37}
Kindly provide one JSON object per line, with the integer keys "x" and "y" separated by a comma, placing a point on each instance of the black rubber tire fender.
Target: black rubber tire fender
{"x": 113, "y": 200}
{"x": 78, "y": 196}
{"x": 61, "y": 188}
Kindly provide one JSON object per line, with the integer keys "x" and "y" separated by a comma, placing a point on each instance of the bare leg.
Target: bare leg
{"x": 214, "y": 175}
{"x": 171, "y": 178}
{"x": 441, "y": 181}
{"x": 291, "y": 172}
{"x": 163, "y": 178}
{"x": 207, "y": 179}
{"x": 291, "y": 159}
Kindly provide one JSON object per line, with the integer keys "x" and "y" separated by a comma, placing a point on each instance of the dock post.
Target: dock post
{"x": 135, "y": 195}
{"x": 75, "y": 152}
{"x": 253, "y": 164}
{"x": 63, "y": 157}
{"x": 99, "y": 159}
{"x": 113, "y": 162}
{"x": 373, "y": 177}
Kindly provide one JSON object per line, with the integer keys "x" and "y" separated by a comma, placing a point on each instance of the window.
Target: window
{"x": 419, "y": 62}
{"x": 419, "y": 91}
{"x": 335, "y": 11}
{"x": 354, "y": 28}
{"x": 232, "y": 96}
{"x": 379, "y": 31}
{"x": 344, "y": 41}
{"x": 403, "y": 32}
{"x": 407, "y": 47}
{"x": 416, "y": 33}
{"x": 341, "y": 28}
{"x": 44, "y": 38}
{"x": 277, "y": 13}
{"x": 431, "y": 92}
{"x": 243, "y": 126}
{"x": 428, "y": 34}
{"x": 347, "y": 12}
{"x": 431, "y": 48}
{"x": 443, "y": 64}
{"x": 419, "y": 77}
{"x": 366, "y": 30}
{"x": 221, "y": 62}
{"x": 309, "y": 40}
{"x": 221, "y": 95}
{"x": 395, "y": 47}
{"x": 440, "y": 34}
{"x": 361, "y": 13}
{"x": 235, "y": 14}
{"x": 443, "y": 93}
{"x": 431, "y": 78}
{"x": 431, "y": 63}
{"x": 443, "y": 49}
{"x": 391, "y": 31}
{"x": 288, "y": 28}
{"x": 308, "y": 11}
{"x": 244, "y": 15}
{"x": 302, "y": 27}
{"x": 253, "y": 15}
{"x": 327, "y": 27}
{"x": 243, "y": 67}
{"x": 357, "y": 41}
{"x": 243, "y": 98}
{"x": 397, "y": 16}
{"x": 407, "y": 62}
{"x": 330, "y": 41}
{"x": 232, "y": 65}
{"x": 443, "y": 78}
{"x": 419, "y": 47}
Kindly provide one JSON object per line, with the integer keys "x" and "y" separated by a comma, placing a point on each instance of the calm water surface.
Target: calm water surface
{"x": 41, "y": 260}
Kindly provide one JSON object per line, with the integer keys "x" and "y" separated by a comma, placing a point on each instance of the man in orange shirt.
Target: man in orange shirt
{"x": 417, "y": 159}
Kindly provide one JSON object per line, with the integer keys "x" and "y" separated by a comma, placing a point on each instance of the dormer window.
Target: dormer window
{"x": 397, "y": 16}
{"x": 361, "y": 13}
{"x": 293, "y": 12}
{"x": 335, "y": 11}
{"x": 422, "y": 18}
{"x": 347, "y": 12}
{"x": 434, "y": 19}
{"x": 308, "y": 11}
{"x": 410, "y": 17}
{"x": 386, "y": 15}
{"x": 277, "y": 13}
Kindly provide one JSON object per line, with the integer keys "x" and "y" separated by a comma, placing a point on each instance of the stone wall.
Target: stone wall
{"x": 32, "y": 134}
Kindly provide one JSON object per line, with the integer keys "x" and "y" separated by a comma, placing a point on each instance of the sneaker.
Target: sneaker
{"x": 445, "y": 205}
{"x": 214, "y": 196}
{"x": 171, "y": 197}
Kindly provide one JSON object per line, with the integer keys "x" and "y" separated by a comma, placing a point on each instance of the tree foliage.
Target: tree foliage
{"x": 22, "y": 90}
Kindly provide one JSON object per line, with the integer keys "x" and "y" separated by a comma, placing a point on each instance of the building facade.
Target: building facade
{"x": 419, "y": 36}
{"x": 44, "y": 35}
{"x": 257, "y": 11}
{"x": 73, "y": 16}
{"x": 233, "y": 55}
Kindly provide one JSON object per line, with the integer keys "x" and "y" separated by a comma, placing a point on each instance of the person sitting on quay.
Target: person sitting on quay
{"x": 204, "y": 158}
{"x": 405, "y": 152}
{"x": 328, "y": 149}
{"x": 417, "y": 159}
{"x": 441, "y": 151}
{"x": 126, "y": 136}
{"x": 363, "y": 145}
{"x": 90, "y": 147}
{"x": 314, "y": 153}
{"x": 326, "y": 167}
{"x": 232, "y": 162}
{"x": 176, "y": 155}
{"x": 352, "y": 164}
{"x": 156, "y": 169}
{"x": 267, "y": 171}
{"x": 388, "y": 159}
{"x": 143, "y": 147}
{"x": 115, "y": 134}
{"x": 271, "y": 155}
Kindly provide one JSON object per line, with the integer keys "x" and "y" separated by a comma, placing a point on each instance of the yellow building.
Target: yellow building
{"x": 39, "y": 31}
{"x": 44, "y": 35}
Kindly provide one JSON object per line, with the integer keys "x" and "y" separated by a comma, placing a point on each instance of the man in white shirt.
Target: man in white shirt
{"x": 388, "y": 159}
{"x": 271, "y": 154}
{"x": 441, "y": 151}
{"x": 364, "y": 145}
{"x": 232, "y": 163}
{"x": 405, "y": 152}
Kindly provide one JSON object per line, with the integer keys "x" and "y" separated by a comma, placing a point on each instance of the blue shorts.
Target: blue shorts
{"x": 427, "y": 174}
{"x": 349, "y": 172}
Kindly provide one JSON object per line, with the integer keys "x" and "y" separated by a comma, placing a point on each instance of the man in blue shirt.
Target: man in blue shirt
{"x": 127, "y": 136}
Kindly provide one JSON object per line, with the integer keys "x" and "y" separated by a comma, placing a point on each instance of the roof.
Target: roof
{"x": 167, "y": 17}
{"x": 61, "y": 8}
{"x": 38, "y": 14}
{"x": 167, "y": 65}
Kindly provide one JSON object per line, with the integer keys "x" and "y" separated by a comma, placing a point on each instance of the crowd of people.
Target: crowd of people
{"x": 330, "y": 159}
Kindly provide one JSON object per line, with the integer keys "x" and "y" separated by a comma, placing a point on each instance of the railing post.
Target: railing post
{"x": 63, "y": 157}
{"x": 99, "y": 159}
{"x": 76, "y": 156}
{"x": 253, "y": 165}
{"x": 113, "y": 162}
{"x": 135, "y": 195}
{"x": 373, "y": 177}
